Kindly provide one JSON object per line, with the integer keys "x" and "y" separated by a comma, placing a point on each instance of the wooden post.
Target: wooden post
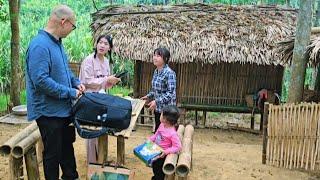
{"x": 265, "y": 133}
{"x": 261, "y": 121}
{"x": 16, "y": 168}
{"x": 141, "y": 115}
{"x": 103, "y": 149}
{"x": 204, "y": 118}
{"x": 120, "y": 150}
{"x": 252, "y": 122}
{"x": 40, "y": 150}
{"x": 32, "y": 163}
{"x": 196, "y": 118}
{"x": 137, "y": 74}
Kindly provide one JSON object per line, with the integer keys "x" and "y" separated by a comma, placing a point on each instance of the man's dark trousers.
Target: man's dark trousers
{"x": 58, "y": 138}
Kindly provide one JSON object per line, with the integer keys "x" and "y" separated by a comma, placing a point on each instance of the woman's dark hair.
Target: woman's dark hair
{"x": 109, "y": 39}
{"x": 171, "y": 114}
{"x": 164, "y": 53}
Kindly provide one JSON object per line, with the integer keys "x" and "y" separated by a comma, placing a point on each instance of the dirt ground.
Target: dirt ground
{"x": 217, "y": 154}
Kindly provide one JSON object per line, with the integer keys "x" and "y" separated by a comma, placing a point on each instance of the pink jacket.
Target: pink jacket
{"x": 93, "y": 73}
{"x": 167, "y": 139}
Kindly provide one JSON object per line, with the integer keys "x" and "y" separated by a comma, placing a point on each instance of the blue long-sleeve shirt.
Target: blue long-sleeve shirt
{"x": 49, "y": 80}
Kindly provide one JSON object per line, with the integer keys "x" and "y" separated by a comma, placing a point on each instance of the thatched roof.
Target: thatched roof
{"x": 285, "y": 50}
{"x": 197, "y": 33}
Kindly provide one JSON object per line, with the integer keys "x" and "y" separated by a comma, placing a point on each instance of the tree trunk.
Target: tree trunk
{"x": 15, "y": 58}
{"x": 299, "y": 61}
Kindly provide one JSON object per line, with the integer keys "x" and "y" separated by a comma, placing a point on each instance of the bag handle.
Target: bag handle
{"x": 89, "y": 134}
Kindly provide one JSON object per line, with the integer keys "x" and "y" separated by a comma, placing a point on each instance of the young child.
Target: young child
{"x": 167, "y": 138}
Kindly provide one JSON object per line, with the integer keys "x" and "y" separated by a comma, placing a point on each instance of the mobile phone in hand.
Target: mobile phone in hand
{"x": 121, "y": 74}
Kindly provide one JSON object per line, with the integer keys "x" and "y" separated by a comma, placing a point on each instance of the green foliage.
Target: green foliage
{"x": 120, "y": 90}
{"x": 5, "y": 98}
{"x": 4, "y": 10}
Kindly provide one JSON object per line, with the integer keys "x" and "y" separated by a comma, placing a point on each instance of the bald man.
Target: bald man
{"x": 51, "y": 88}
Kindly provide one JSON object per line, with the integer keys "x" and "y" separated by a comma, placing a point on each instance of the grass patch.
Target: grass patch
{"x": 120, "y": 90}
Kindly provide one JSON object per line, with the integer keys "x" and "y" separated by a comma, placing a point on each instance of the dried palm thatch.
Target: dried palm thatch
{"x": 197, "y": 33}
{"x": 285, "y": 50}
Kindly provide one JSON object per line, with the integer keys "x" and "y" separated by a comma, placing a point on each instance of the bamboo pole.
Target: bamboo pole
{"x": 292, "y": 133}
{"x": 280, "y": 135}
{"x": 6, "y": 148}
{"x": 309, "y": 136}
{"x": 23, "y": 146}
{"x": 313, "y": 134}
{"x": 286, "y": 136}
{"x": 32, "y": 164}
{"x": 304, "y": 137}
{"x": 317, "y": 137}
{"x": 265, "y": 132}
{"x": 170, "y": 177}
{"x": 184, "y": 162}
{"x": 289, "y": 148}
{"x": 169, "y": 166}
{"x": 39, "y": 150}
{"x": 16, "y": 168}
{"x": 276, "y": 143}
{"x": 300, "y": 134}
{"x": 269, "y": 142}
{"x": 316, "y": 157}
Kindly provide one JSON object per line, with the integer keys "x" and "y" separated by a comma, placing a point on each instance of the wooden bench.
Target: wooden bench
{"x": 121, "y": 136}
{"x": 217, "y": 108}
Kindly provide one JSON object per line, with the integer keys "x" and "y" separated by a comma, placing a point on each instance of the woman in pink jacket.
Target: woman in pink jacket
{"x": 95, "y": 74}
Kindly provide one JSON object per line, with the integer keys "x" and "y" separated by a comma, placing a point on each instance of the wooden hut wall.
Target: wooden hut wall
{"x": 217, "y": 84}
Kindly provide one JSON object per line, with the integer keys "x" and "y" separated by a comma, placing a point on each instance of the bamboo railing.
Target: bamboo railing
{"x": 292, "y": 136}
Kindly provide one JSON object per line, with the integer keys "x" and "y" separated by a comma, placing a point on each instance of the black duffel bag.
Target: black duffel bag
{"x": 111, "y": 113}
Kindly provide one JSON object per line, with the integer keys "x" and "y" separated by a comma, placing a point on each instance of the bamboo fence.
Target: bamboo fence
{"x": 293, "y": 136}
